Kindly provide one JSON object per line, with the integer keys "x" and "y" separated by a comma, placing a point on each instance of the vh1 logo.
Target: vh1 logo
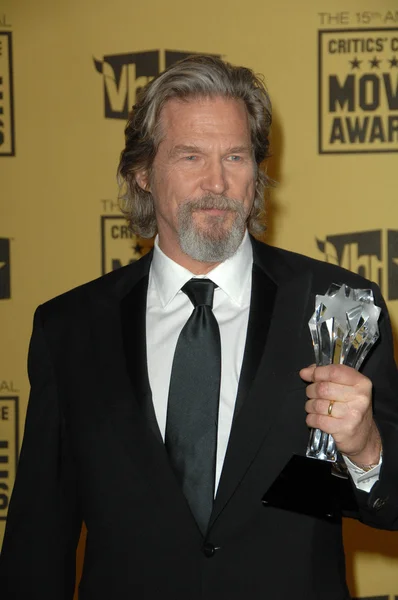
{"x": 372, "y": 254}
{"x": 125, "y": 74}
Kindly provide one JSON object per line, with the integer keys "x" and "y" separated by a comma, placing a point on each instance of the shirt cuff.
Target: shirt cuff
{"x": 363, "y": 480}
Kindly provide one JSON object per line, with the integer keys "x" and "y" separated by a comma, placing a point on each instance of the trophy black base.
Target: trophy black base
{"x": 310, "y": 487}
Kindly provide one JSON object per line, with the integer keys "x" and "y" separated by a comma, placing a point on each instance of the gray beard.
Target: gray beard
{"x": 215, "y": 243}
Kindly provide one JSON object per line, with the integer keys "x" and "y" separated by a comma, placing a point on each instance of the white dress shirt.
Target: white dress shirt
{"x": 168, "y": 309}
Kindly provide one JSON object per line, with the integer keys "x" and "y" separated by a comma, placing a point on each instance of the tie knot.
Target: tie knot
{"x": 200, "y": 291}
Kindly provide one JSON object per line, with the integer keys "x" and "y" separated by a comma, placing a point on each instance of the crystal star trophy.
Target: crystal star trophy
{"x": 343, "y": 329}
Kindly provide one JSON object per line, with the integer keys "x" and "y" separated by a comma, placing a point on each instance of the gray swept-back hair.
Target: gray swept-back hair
{"x": 194, "y": 77}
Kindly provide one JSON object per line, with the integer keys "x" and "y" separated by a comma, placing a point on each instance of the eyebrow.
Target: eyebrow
{"x": 239, "y": 150}
{"x": 187, "y": 148}
{"x": 183, "y": 149}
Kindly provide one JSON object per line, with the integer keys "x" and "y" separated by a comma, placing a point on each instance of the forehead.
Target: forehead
{"x": 207, "y": 116}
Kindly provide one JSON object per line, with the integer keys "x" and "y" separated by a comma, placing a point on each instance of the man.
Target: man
{"x": 167, "y": 396}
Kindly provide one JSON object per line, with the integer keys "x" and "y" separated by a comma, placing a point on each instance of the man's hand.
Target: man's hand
{"x": 340, "y": 402}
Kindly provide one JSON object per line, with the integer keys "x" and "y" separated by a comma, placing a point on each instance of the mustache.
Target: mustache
{"x": 218, "y": 203}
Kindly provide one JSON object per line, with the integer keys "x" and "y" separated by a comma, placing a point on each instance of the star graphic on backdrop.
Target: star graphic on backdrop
{"x": 355, "y": 64}
{"x": 375, "y": 62}
{"x": 137, "y": 248}
{"x": 393, "y": 62}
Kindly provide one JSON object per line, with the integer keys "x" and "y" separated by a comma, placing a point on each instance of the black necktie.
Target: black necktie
{"x": 192, "y": 410}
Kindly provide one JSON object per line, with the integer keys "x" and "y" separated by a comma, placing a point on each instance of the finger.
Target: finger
{"x": 333, "y": 391}
{"x": 325, "y": 423}
{"x": 341, "y": 374}
{"x": 307, "y": 373}
{"x": 326, "y": 408}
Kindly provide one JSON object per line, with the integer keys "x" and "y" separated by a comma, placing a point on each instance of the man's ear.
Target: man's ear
{"x": 142, "y": 179}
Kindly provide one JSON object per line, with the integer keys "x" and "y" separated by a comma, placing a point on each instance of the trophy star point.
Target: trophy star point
{"x": 347, "y": 314}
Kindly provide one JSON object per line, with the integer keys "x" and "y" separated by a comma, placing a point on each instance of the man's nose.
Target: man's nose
{"x": 214, "y": 178}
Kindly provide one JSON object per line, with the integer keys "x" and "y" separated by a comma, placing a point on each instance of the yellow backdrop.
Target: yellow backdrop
{"x": 68, "y": 73}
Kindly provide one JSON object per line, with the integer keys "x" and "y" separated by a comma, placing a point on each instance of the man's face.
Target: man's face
{"x": 203, "y": 178}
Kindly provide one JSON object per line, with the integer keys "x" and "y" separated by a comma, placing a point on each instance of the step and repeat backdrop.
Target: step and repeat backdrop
{"x": 69, "y": 72}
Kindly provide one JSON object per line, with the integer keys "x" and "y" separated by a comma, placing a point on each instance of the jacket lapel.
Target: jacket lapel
{"x": 107, "y": 329}
{"x": 133, "y": 319}
{"x": 261, "y": 307}
{"x": 119, "y": 342}
{"x": 278, "y": 364}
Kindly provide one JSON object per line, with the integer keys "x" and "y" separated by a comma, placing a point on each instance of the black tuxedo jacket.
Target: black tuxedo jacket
{"x": 92, "y": 452}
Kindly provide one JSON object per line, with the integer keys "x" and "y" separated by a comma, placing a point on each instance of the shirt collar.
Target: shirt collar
{"x": 230, "y": 275}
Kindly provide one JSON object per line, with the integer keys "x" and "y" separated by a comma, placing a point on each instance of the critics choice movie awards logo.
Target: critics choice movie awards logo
{"x": 5, "y": 277}
{"x": 372, "y": 254}
{"x": 358, "y": 90}
{"x": 119, "y": 246}
{"x": 125, "y": 74}
{"x": 7, "y": 142}
{"x": 9, "y": 445}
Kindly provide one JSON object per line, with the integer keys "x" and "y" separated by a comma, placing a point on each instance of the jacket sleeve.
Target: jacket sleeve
{"x": 379, "y": 508}
{"x": 43, "y": 526}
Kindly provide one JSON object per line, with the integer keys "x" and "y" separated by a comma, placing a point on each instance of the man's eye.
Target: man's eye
{"x": 235, "y": 158}
{"x": 191, "y": 157}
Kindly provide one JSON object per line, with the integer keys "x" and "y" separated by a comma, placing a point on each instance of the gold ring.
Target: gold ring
{"x": 330, "y": 408}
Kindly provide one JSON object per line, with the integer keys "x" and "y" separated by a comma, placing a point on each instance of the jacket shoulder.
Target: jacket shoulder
{"x": 77, "y": 301}
{"x": 324, "y": 273}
